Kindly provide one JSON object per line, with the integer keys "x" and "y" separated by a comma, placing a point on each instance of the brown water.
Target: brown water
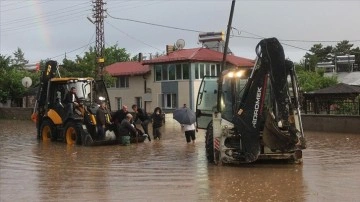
{"x": 170, "y": 170}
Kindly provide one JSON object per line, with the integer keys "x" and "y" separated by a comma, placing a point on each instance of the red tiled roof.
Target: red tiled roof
{"x": 200, "y": 54}
{"x": 127, "y": 68}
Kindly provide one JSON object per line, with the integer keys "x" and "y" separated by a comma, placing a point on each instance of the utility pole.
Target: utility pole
{"x": 98, "y": 15}
{"x": 223, "y": 62}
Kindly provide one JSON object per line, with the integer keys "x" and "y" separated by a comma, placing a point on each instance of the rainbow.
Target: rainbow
{"x": 42, "y": 24}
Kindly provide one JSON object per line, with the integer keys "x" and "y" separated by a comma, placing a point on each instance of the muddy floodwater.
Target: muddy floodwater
{"x": 170, "y": 170}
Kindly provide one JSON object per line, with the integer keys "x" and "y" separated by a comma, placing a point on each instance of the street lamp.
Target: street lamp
{"x": 26, "y": 82}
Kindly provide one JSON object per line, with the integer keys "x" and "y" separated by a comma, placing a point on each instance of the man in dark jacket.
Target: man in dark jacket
{"x": 120, "y": 114}
{"x": 101, "y": 120}
{"x": 71, "y": 100}
{"x": 126, "y": 129}
{"x": 144, "y": 118}
{"x": 157, "y": 122}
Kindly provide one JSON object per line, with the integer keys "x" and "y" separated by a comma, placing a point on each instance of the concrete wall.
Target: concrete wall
{"x": 16, "y": 113}
{"x": 333, "y": 123}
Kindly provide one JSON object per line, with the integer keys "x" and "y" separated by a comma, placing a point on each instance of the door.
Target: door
{"x": 101, "y": 94}
{"x": 206, "y": 102}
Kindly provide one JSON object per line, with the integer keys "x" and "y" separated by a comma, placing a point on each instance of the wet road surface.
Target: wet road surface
{"x": 170, "y": 170}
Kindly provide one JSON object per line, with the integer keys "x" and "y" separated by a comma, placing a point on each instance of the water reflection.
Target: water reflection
{"x": 169, "y": 170}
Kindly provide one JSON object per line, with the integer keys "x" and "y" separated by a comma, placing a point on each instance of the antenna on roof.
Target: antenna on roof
{"x": 180, "y": 44}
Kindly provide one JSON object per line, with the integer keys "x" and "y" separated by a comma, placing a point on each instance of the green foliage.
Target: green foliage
{"x": 310, "y": 81}
{"x": 12, "y": 70}
{"x": 11, "y": 74}
{"x": 5, "y": 62}
{"x": 342, "y": 48}
{"x": 115, "y": 54}
{"x": 319, "y": 53}
{"x": 19, "y": 59}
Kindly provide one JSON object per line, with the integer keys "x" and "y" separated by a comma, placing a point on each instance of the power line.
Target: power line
{"x": 46, "y": 14}
{"x": 26, "y": 6}
{"x": 34, "y": 25}
{"x": 72, "y": 50}
{"x": 258, "y": 37}
{"x": 128, "y": 35}
{"x": 153, "y": 24}
{"x": 296, "y": 40}
{"x": 133, "y": 6}
{"x": 88, "y": 43}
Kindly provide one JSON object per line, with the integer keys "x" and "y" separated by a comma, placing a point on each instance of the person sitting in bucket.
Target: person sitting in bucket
{"x": 126, "y": 129}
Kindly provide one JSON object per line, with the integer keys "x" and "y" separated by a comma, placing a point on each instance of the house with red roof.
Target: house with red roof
{"x": 129, "y": 87}
{"x": 168, "y": 81}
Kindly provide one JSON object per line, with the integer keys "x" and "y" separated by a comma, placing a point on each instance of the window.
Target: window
{"x": 138, "y": 101}
{"x": 158, "y": 69}
{"x": 202, "y": 71}
{"x": 172, "y": 71}
{"x": 206, "y": 69}
{"x": 169, "y": 101}
{"x": 178, "y": 72}
{"x": 185, "y": 71}
{"x": 197, "y": 71}
{"x": 118, "y": 102}
{"x": 164, "y": 73}
{"x": 122, "y": 82}
{"x": 213, "y": 70}
{"x": 218, "y": 69}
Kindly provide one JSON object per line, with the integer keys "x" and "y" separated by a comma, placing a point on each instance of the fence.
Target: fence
{"x": 334, "y": 107}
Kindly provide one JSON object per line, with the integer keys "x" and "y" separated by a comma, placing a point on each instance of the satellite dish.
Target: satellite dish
{"x": 180, "y": 44}
{"x": 26, "y": 82}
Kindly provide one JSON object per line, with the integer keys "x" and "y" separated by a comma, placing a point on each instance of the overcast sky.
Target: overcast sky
{"x": 50, "y": 28}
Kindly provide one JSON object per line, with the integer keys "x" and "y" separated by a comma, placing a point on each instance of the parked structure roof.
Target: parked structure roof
{"x": 200, "y": 54}
{"x": 352, "y": 78}
{"x": 127, "y": 68}
{"x": 340, "y": 88}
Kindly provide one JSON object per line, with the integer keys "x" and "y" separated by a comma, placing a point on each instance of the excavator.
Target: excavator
{"x": 253, "y": 114}
{"x": 56, "y": 121}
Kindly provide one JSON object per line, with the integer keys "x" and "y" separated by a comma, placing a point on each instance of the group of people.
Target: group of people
{"x": 124, "y": 123}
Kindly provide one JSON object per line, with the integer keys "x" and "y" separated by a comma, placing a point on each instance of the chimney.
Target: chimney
{"x": 169, "y": 49}
{"x": 140, "y": 57}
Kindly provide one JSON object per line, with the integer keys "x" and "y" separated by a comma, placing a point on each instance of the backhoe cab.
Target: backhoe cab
{"x": 56, "y": 120}
{"x": 251, "y": 115}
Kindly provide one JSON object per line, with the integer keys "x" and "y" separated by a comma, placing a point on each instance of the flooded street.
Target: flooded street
{"x": 170, "y": 170}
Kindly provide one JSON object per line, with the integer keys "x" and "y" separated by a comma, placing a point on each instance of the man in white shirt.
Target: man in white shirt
{"x": 189, "y": 132}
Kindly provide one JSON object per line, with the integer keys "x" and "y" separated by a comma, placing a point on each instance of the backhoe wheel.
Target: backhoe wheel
{"x": 48, "y": 131}
{"x": 209, "y": 143}
{"x": 73, "y": 133}
{"x": 88, "y": 141}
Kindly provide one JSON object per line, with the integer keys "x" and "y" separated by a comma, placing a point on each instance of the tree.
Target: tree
{"x": 115, "y": 54}
{"x": 342, "y": 48}
{"x": 310, "y": 81}
{"x": 11, "y": 74}
{"x": 319, "y": 54}
{"x": 19, "y": 59}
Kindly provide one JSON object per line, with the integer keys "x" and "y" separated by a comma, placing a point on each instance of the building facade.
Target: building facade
{"x": 170, "y": 81}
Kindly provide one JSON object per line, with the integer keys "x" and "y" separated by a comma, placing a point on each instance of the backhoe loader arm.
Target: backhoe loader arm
{"x": 270, "y": 66}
